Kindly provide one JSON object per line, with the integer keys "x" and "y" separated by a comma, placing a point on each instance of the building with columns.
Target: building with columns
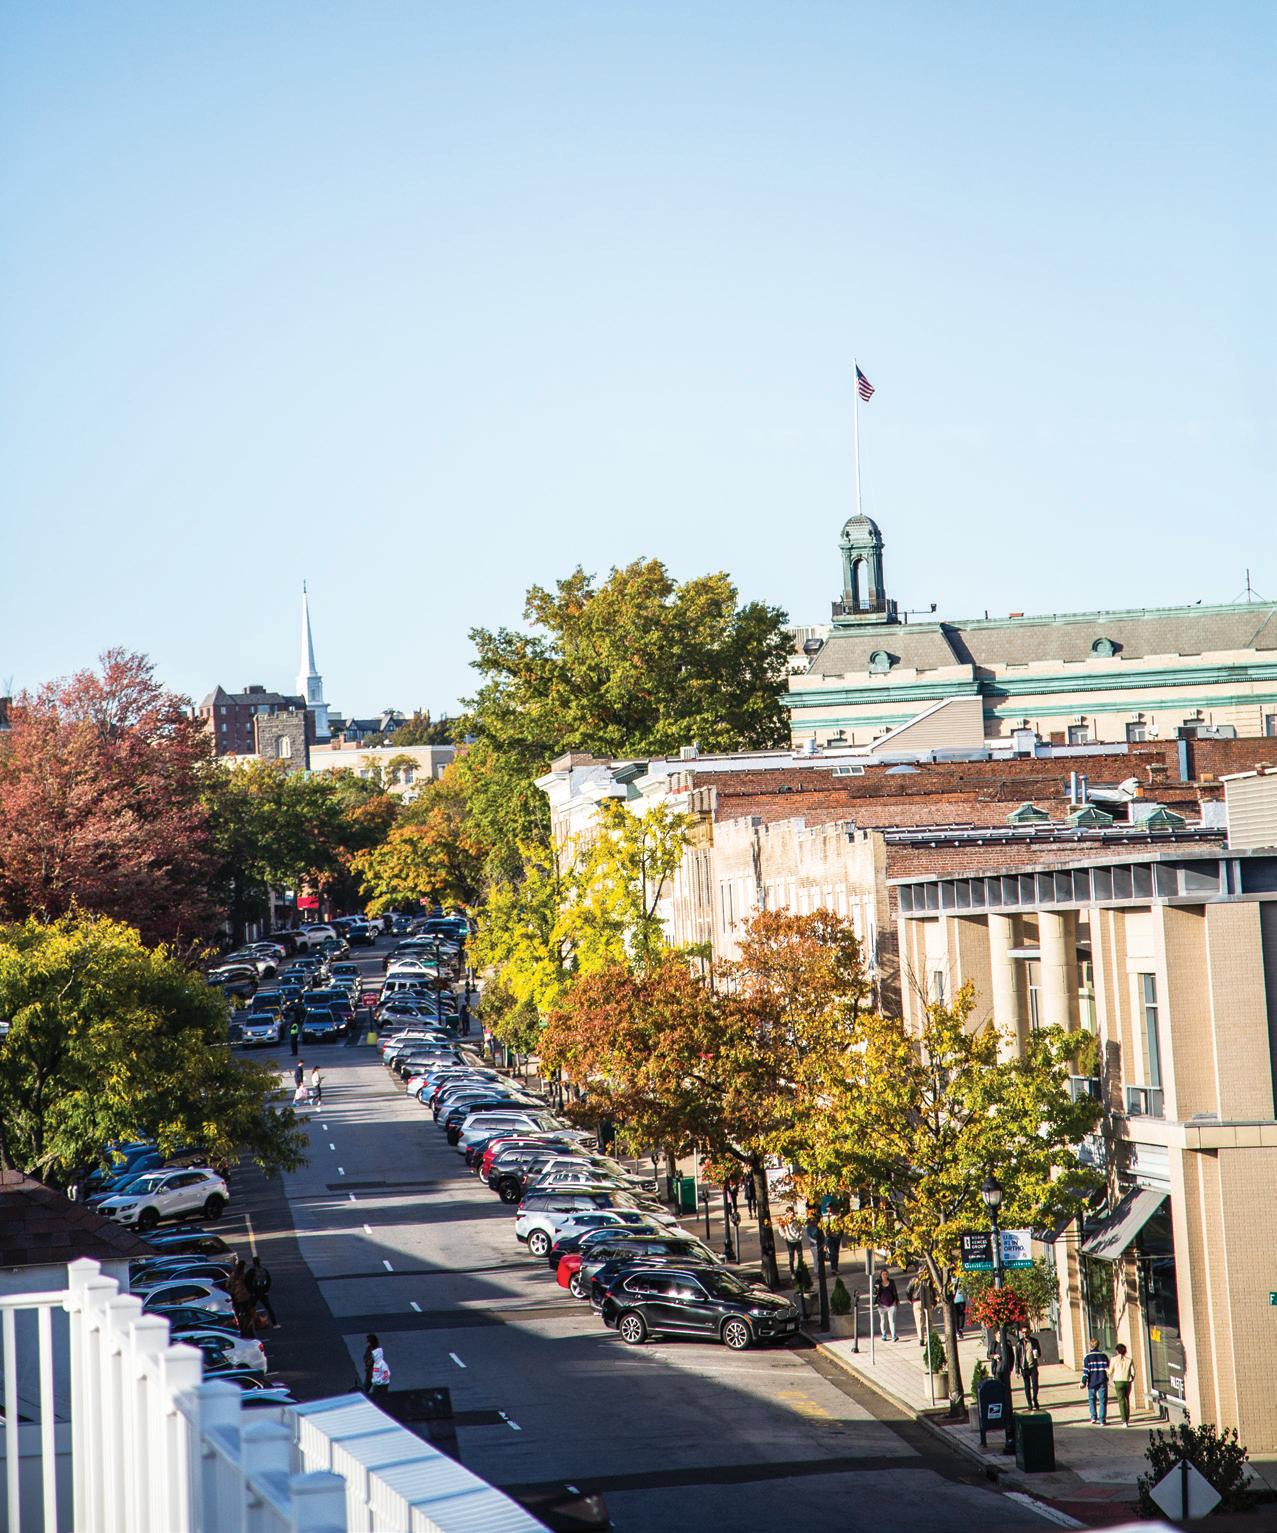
{"x": 1072, "y": 678}
{"x": 1168, "y": 960}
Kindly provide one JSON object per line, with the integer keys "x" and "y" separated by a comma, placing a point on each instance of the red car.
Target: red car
{"x": 569, "y": 1266}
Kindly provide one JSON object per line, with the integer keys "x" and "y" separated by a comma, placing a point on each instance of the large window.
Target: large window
{"x": 1149, "y": 1024}
{"x": 1097, "y": 1298}
{"x": 1032, "y": 973}
{"x": 1159, "y": 1299}
{"x": 1270, "y": 725}
{"x": 1086, "y": 994}
{"x": 1079, "y": 734}
{"x": 1136, "y": 731}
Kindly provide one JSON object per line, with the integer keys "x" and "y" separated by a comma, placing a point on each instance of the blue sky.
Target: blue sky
{"x": 425, "y": 303}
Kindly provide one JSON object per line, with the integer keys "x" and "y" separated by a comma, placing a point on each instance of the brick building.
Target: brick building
{"x": 229, "y": 717}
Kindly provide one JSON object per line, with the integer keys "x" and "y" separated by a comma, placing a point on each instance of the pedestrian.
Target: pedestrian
{"x": 921, "y": 1300}
{"x": 1122, "y": 1376}
{"x": 465, "y": 1017}
{"x": 959, "y": 1309}
{"x": 886, "y": 1298}
{"x": 317, "y": 1087}
{"x": 1095, "y": 1380}
{"x": 299, "y": 1072}
{"x": 241, "y": 1297}
{"x": 376, "y": 1368}
{"x": 833, "y": 1244}
{"x": 1028, "y": 1355}
{"x": 294, "y": 1035}
{"x": 751, "y": 1197}
{"x": 258, "y": 1280}
{"x": 791, "y": 1232}
{"x": 301, "y": 1097}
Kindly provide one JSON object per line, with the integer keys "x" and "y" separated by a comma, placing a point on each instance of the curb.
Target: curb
{"x": 996, "y": 1472}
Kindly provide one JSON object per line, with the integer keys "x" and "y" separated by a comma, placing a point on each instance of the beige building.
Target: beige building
{"x": 1072, "y": 678}
{"x": 1170, "y": 958}
{"x": 403, "y": 768}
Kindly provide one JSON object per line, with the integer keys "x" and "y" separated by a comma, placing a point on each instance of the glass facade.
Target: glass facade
{"x": 1097, "y": 1296}
{"x": 1159, "y": 1301}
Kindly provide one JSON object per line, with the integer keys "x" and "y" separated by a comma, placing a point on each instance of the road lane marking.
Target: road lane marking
{"x": 386, "y": 1265}
{"x": 331, "y": 1145}
{"x": 252, "y": 1239}
{"x": 352, "y": 1197}
{"x": 412, "y": 1304}
{"x": 513, "y": 1425}
{"x": 324, "y": 1126}
{"x": 456, "y": 1360}
{"x": 341, "y": 1170}
{"x": 367, "y": 1229}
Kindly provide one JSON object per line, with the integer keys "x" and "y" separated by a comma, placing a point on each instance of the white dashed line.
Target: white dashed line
{"x": 352, "y": 1197}
{"x": 331, "y": 1145}
{"x": 456, "y": 1359}
{"x": 324, "y": 1126}
{"x": 513, "y": 1425}
{"x": 341, "y": 1170}
{"x": 412, "y": 1303}
{"x": 386, "y": 1265}
{"x": 367, "y": 1229}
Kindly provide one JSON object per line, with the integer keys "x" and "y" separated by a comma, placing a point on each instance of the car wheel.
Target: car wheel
{"x": 147, "y": 1219}
{"x": 737, "y": 1334}
{"x": 632, "y": 1328}
{"x": 576, "y": 1288}
{"x": 508, "y": 1192}
{"x": 213, "y": 1206}
{"x": 539, "y": 1243}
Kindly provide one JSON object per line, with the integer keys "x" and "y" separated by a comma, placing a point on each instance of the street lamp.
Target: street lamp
{"x": 991, "y": 1192}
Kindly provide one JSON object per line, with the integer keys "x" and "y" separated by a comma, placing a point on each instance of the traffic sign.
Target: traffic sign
{"x": 1184, "y": 1491}
{"x": 1272, "y": 1299}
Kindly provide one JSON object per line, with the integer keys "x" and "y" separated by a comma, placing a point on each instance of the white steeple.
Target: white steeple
{"x": 309, "y": 682}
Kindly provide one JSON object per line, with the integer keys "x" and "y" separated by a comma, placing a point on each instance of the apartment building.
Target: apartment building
{"x": 1169, "y": 957}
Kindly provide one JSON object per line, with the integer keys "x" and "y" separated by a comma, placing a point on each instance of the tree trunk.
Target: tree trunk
{"x": 671, "y": 1171}
{"x": 766, "y": 1237}
{"x": 956, "y": 1387}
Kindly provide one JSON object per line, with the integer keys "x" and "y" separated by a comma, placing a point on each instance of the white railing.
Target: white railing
{"x": 152, "y": 1448}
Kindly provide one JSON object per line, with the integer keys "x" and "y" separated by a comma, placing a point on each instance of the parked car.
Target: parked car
{"x": 319, "y": 1025}
{"x": 541, "y": 1217}
{"x": 186, "y": 1242}
{"x": 222, "y": 1348}
{"x": 260, "y": 1029}
{"x": 147, "y": 1271}
{"x": 201, "y": 1319}
{"x": 159, "y": 1195}
{"x": 695, "y": 1301}
{"x": 187, "y": 1293}
{"x": 675, "y": 1248}
{"x": 481, "y": 1125}
{"x": 258, "y": 1390}
{"x": 582, "y": 1232}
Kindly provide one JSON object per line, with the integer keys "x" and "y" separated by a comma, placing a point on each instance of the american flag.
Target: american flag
{"x": 863, "y": 385}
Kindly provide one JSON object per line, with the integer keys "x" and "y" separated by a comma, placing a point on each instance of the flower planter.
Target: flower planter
{"x": 842, "y": 1325}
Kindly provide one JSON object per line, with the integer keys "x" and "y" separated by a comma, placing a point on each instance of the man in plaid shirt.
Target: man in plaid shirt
{"x": 1095, "y": 1380}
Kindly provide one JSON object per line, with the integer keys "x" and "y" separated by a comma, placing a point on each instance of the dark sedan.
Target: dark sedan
{"x": 702, "y": 1302}
{"x": 320, "y": 1025}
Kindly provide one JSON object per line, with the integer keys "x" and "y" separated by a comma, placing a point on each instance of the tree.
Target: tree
{"x": 427, "y": 855}
{"x": 910, "y": 1126}
{"x": 730, "y": 1069}
{"x": 523, "y": 940}
{"x": 99, "y": 802}
{"x": 109, "y": 1039}
{"x": 421, "y": 729}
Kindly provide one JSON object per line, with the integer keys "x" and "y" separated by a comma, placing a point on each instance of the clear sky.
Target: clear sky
{"x": 425, "y": 303}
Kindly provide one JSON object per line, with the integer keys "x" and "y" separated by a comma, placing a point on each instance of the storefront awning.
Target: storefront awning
{"x": 1114, "y": 1233}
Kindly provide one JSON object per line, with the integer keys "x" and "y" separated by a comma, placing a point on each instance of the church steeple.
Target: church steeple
{"x": 309, "y": 682}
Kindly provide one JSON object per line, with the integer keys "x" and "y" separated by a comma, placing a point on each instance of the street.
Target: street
{"x": 393, "y": 1235}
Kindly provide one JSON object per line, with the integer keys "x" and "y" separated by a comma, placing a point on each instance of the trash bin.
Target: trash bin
{"x": 1034, "y": 1442}
{"x": 685, "y": 1191}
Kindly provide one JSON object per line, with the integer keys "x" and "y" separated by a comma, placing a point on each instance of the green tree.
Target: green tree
{"x": 110, "y": 1039}
{"x": 908, "y": 1128}
{"x": 428, "y": 853}
{"x": 524, "y": 940}
{"x": 421, "y": 729}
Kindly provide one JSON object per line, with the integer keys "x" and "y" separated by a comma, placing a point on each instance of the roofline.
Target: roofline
{"x": 985, "y": 623}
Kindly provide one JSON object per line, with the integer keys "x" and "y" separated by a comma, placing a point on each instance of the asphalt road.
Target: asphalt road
{"x": 385, "y": 1230}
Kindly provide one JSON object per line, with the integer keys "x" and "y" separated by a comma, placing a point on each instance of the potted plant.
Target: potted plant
{"x": 841, "y": 1320}
{"x": 802, "y": 1287}
{"x": 937, "y": 1363}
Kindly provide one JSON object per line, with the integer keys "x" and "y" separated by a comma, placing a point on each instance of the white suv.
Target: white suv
{"x": 541, "y": 1225}
{"x": 175, "y": 1194}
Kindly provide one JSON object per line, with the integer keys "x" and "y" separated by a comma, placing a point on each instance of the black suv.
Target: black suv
{"x": 623, "y": 1250}
{"x": 695, "y": 1301}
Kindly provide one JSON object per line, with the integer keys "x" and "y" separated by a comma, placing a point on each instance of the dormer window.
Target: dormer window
{"x": 879, "y": 662}
{"x": 1104, "y": 649}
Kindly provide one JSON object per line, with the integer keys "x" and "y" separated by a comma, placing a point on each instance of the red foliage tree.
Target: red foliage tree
{"x": 99, "y": 802}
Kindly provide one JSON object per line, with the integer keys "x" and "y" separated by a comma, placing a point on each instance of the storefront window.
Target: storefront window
{"x": 1159, "y": 1300}
{"x": 1097, "y": 1295}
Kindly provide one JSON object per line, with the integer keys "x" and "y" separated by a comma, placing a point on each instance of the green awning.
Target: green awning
{"x": 1111, "y": 1238}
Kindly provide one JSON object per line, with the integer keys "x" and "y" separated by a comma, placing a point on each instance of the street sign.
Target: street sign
{"x": 1185, "y": 1492}
{"x": 1272, "y": 1298}
{"x": 977, "y": 1252}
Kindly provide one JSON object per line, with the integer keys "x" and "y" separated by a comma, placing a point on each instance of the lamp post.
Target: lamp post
{"x": 991, "y": 1192}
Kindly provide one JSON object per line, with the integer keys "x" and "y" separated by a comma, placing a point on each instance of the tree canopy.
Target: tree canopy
{"x": 110, "y": 1039}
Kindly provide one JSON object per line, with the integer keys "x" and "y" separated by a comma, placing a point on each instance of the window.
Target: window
{"x": 1086, "y": 994}
{"x": 1270, "y": 725}
{"x": 1136, "y": 731}
{"x": 1079, "y": 734}
{"x": 1032, "y": 972}
{"x": 283, "y": 747}
{"x": 937, "y": 987}
{"x": 407, "y": 775}
{"x": 1151, "y": 1041}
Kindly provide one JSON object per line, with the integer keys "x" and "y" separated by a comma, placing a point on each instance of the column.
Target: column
{"x": 1007, "y": 983}
{"x": 1057, "y": 968}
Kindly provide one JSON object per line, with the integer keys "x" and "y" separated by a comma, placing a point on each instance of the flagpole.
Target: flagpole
{"x": 855, "y": 419}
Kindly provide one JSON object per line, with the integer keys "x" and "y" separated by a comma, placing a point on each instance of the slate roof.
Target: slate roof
{"x": 41, "y": 1228}
{"x": 992, "y": 643}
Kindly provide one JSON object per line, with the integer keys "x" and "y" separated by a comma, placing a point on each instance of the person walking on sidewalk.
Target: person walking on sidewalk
{"x": 299, "y": 1072}
{"x": 317, "y": 1087}
{"x": 959, "y": 1309}
{"x": 376, "y": 1368}
{"x": 1028, "y": 1355}
{"x": 241, "y": 1297}
{"x": 751, "y": 1197}
{"x": 791, "y": 1232}
{"x": 1122, "y": 1376}
{"x": 921, "y": 1301}
{"x": 886, "y": 1298}
{"x": 258, "y": 1280}
{"x": 1095, "y": 1380}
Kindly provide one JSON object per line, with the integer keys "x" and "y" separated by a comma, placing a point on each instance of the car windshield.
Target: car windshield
{"x": 723, "y": 1285}
{"x": 143, "y": 1184}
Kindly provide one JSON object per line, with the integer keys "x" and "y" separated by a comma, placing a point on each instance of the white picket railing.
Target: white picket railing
{"x": 152, "y": 1448}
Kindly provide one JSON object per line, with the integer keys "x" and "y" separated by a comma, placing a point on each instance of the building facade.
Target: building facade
{"x": 230, "y": 717}
{"x": 1072, "y": 678}
{"x": 1169, "y": 959}
{"x": 402, "y": 769}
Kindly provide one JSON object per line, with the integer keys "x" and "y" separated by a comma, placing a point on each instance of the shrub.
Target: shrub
{"x": 839, "y": 1299}
{"x": 978, "y": 1375}
{"x": 998, "y": 1307}
{"x": 937, "y": 1361}
{"x": 802, "y": 1279}
{"x": 1217, "y": 1455}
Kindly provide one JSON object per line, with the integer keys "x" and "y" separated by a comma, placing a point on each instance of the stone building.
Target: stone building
{"x": 230, "y": 717}
{"x": 1072, "y": 678}
{"x": 284, "y": 737}
{"x": 1169, "y": 958}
